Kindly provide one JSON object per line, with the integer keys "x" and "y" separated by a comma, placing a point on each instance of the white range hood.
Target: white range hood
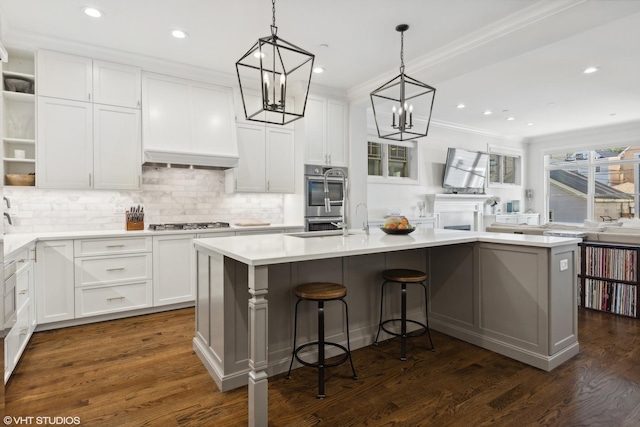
{"x": 211, "y": 161}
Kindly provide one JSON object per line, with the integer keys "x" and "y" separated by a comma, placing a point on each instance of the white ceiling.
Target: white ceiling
{"x": 523, "y": 56}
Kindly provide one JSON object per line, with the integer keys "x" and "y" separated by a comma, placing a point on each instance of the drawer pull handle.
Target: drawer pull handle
{"x": 21, "y": 260}
{"x": 22, "y": 292}
{"x": 115, "y": 246}
{"x": 115, "y": 269}
{"x": 115, "y": 298}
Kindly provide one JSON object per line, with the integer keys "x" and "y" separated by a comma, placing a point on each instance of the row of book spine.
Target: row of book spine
{"x": 612, "y": 263}
{"x": 618, "y": 298}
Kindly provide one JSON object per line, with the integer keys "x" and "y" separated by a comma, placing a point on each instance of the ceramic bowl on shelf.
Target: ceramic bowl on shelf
{"x": 15, "y": 84}
{"x": 397, "y": 230}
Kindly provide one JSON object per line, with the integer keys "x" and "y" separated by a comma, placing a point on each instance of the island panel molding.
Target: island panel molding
{"x": 242, "y": 278}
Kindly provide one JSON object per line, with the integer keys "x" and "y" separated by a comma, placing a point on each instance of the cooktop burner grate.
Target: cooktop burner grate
{"x": 189, "y": 226}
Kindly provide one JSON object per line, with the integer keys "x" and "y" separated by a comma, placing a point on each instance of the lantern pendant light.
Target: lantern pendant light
{"x": 402, "y": 106}
{"x": 279, "y": 74}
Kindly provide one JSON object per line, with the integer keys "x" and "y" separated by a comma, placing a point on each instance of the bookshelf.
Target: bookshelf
{"x": 609, "y": 278}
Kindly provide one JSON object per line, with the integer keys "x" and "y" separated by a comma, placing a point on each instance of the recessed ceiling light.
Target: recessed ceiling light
{"x": 590, "y": 70}
{"x": 530, "y": 124}
{"x": 487, "y": 113}
{"x": 460, "y": 106}
{"x": 318, "y": 70}
{"x": 179, "y": 34}
{"x": 511, "y": 118}
{"x": 93, "y": 12}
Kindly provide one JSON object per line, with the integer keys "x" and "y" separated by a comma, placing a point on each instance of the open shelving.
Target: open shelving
{"x": 609, "y": 278}
{"x": 19, "y": 135}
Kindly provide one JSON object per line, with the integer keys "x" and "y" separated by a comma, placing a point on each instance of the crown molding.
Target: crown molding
{"x": 534, "y": 13}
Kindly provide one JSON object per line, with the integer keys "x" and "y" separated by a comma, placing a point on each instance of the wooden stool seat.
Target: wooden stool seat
{"x": 320, "y": 291}
{"x": 403, "y": 275}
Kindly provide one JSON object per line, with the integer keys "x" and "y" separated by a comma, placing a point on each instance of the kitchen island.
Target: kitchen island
{"x": 512, "y": 294}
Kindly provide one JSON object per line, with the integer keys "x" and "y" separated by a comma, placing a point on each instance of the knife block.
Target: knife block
{"x": 133, "y": 225}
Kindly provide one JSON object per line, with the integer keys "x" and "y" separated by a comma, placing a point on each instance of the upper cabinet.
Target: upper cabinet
{"x": 326, "y": 126}
{"x": 83, "y": 79}
{"x": 89, "y": 124}
{"x": 18, "y": 117}
{"x": 116, "y": 84}
{"x": 267, "y": 160}
{"x": 189, "y": 117}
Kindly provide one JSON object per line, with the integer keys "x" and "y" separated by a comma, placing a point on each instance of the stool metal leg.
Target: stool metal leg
{"x": 426, "y": 314}
{"x": 375, "y": 342}
{"x": 346, "y": 310}
{"x": 295, "y": 333}
{"x": 403, "y": 323}
{"x": 321, "y": 394}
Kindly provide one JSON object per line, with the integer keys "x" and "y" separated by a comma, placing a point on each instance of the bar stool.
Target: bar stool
{"x": 404, "y": 277}
{"x": 321, "y": 292}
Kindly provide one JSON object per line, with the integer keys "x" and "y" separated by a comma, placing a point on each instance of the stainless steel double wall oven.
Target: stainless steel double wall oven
{"x": 316, "y": 217}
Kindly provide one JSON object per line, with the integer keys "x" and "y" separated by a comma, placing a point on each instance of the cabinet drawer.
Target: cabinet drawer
{"x": 16, "y": 340}
{"x": 92, "y": 301}
{"x": 22, "y": 288}
{"x": 116, "y": 269}
{"x": 91, "y": 247}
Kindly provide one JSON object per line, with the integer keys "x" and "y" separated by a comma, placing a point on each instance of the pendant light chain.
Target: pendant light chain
{"x": 402, "y": 52}
{"x": 274, "y": 29}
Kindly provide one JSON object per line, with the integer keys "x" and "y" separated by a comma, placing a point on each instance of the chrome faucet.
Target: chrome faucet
{"x": 8, "y": 218}
{"x": 365, "y": 223}
{"x": 327, "y": 201}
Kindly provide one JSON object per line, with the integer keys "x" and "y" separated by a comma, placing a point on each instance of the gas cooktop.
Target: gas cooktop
{"x": 189, "y": 226}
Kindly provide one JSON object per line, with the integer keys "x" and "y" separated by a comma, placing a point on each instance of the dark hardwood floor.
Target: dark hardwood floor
{"x": 142, "y": 371}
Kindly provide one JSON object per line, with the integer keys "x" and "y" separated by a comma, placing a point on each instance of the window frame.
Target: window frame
{"x": 593, "y": 167}
{"x": 413, "y": 156}
{"x": 502, "y": 153}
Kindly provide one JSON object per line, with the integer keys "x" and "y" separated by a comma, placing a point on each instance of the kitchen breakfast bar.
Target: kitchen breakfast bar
{"x": 512, "y": 294}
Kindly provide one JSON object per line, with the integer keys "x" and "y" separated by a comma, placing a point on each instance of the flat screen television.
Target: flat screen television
{"x": 465, "y": 169}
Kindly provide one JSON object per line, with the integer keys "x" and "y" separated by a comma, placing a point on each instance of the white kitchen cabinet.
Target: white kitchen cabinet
{"x": 84, "y": 145}
{"x": 266, "y": 160}
{"x": 65, "y": 144}
{"x": 173, "y": 269}
{"x": 326, "y": 126}
{"x": 117, "y": 84}
{"x": 54, "y": 281}
{"x": 250, "y": 175}
{"x": 116, "y": 148}
{"x": 187, "y": 116}
{"x": 78, "y": 78}
{"x": 112, "y": 275}
{"x": 64, "y": 76}
{"x": 19, "y": 335}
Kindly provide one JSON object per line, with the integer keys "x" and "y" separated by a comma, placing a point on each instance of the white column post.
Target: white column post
{"x": 258, "y": 346}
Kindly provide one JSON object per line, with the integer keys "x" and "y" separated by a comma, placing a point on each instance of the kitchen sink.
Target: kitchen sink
{"x": 323, "y": 233}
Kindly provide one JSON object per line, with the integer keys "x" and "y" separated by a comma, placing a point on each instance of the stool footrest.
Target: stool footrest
{"x": 343, "y": 359}
{"x": 412, "y": 334}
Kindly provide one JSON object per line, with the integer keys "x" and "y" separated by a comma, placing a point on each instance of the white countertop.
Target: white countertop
{"x": 15, "y": 242}
{"x": 281, "y": 248}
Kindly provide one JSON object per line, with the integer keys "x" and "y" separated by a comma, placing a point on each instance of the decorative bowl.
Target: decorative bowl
{"x": 398, "y": 230}
{"x": 16, "y": 84}
{"x": 21, "y": 179}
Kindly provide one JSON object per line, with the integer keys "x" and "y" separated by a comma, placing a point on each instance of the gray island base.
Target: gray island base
{"x": 512, "y": 294}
